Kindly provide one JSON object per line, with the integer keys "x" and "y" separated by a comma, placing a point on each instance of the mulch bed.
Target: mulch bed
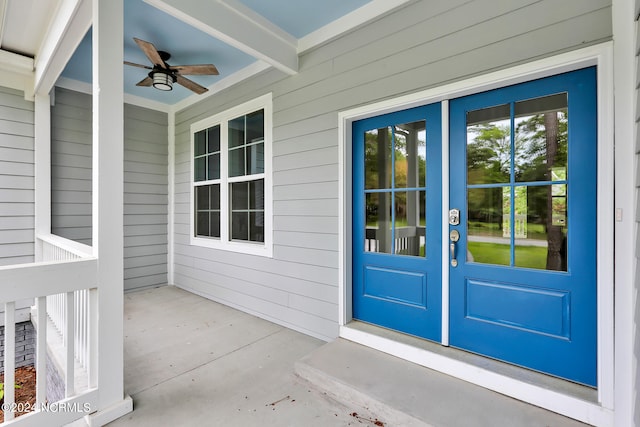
{"x": 26, "y": 393}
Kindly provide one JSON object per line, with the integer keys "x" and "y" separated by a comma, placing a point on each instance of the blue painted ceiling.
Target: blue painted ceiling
{"x": 301, "y": 17}
{"x": 188, "y": 45}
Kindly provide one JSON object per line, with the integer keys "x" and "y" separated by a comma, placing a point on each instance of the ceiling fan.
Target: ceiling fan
{"x": 162, "y": 75}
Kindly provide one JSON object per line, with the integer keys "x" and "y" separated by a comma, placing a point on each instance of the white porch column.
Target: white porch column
{"x": 625, "y": 203}
{"x": 42, "y": 120}
{"x": 108, "y": 185}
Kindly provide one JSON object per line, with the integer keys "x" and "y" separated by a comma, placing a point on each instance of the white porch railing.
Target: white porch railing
{"x": 55, "y": 248}
{"x": 73, "y": 273}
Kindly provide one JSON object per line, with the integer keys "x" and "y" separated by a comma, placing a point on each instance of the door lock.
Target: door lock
{"x": 454, "y": 216}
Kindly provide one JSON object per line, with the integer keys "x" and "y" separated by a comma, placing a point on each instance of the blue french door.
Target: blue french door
{"x": 523, "y": 173}
{"x": 397, "y": 207}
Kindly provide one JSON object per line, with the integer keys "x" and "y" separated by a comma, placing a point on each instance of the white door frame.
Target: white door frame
{"x": 601, "y": 55}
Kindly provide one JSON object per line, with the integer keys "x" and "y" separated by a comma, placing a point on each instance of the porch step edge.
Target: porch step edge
{"x": 403, "y": 393}
{"x": 349, "y": 395}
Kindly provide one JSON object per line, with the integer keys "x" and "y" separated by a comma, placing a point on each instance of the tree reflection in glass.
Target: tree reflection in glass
{"x": 522, "y": 223}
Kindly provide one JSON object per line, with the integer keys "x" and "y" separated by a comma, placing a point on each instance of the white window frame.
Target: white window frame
{"x": 222, "y": 119}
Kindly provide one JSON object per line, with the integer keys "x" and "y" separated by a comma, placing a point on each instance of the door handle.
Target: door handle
{"x": 454, "y": 236}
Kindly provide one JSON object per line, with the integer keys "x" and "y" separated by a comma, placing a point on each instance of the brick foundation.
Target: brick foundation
{"x": 25, "y": 345}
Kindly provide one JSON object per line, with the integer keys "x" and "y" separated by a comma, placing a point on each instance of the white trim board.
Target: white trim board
{"x": 600, "y": 55}
{"x": 445, "y": 223}
{"x": 171, "y": 209}
{"x": 624, "y": 73}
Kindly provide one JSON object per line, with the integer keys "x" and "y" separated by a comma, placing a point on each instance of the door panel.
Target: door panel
{"x": 523, "y": 175}
{"x": 396, "y": 222}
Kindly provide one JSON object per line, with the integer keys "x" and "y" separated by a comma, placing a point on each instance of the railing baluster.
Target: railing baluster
{"x": 41, "y": 352}
{"x": 81, "y": 325}
{"x": 9, "y": 359}
{"x": 85, "y": 326}
{"x": 69, "y": 346}
{"x": 76, "y": 325}
{"x": 92, "y": 338}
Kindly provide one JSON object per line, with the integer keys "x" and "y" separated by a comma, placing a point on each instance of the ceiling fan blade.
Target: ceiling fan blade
{"x": 152, "y": 53}
{"x": 196, "y": 70}
{"x": 191, "y": 85}
{"x": 147, "y": 81}
{"x": 133, "y": 64}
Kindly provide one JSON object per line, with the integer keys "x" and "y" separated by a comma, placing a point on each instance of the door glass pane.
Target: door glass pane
{"x": 409, "y": 223}
{"x": 541, "y": 138}
{"x": 488, "y": 230}
{"x": 540, "y": 240}
{"x": 410, "y": 155}
{"x": 377, "y": 159}
{"x": 489, "y": 145}
{"x": 422, "y": 159}
{"x": 378, "y": 236}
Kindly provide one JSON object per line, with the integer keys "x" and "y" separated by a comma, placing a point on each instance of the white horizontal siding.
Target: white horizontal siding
{"x": 16, "y": 178}
{"x": 71, "y": 136}
{"x": 422, "y": 45}
{"x": 145, "y": 184}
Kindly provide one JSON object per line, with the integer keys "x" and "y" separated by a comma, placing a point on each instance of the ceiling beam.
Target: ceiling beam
{"x": 227, "y": 24}
{"x": 70, "y": 23}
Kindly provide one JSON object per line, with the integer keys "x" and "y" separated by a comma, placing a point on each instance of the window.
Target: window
{"x": 231, "y": 179}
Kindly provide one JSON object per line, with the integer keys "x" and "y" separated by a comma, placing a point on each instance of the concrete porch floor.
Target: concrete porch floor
{"x": 193, "y": 362}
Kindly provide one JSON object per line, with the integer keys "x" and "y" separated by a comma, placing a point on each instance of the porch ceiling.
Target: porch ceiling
{"x": 241, "y": 37}
{"x": 23, "y": 24}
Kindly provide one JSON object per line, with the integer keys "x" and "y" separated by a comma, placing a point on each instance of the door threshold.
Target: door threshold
{"x": 564, "y": 397}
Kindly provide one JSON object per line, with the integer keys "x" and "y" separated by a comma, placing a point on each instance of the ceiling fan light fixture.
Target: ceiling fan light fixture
{"x": 162, "y": 76}
{"x": 162, "y": 81}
